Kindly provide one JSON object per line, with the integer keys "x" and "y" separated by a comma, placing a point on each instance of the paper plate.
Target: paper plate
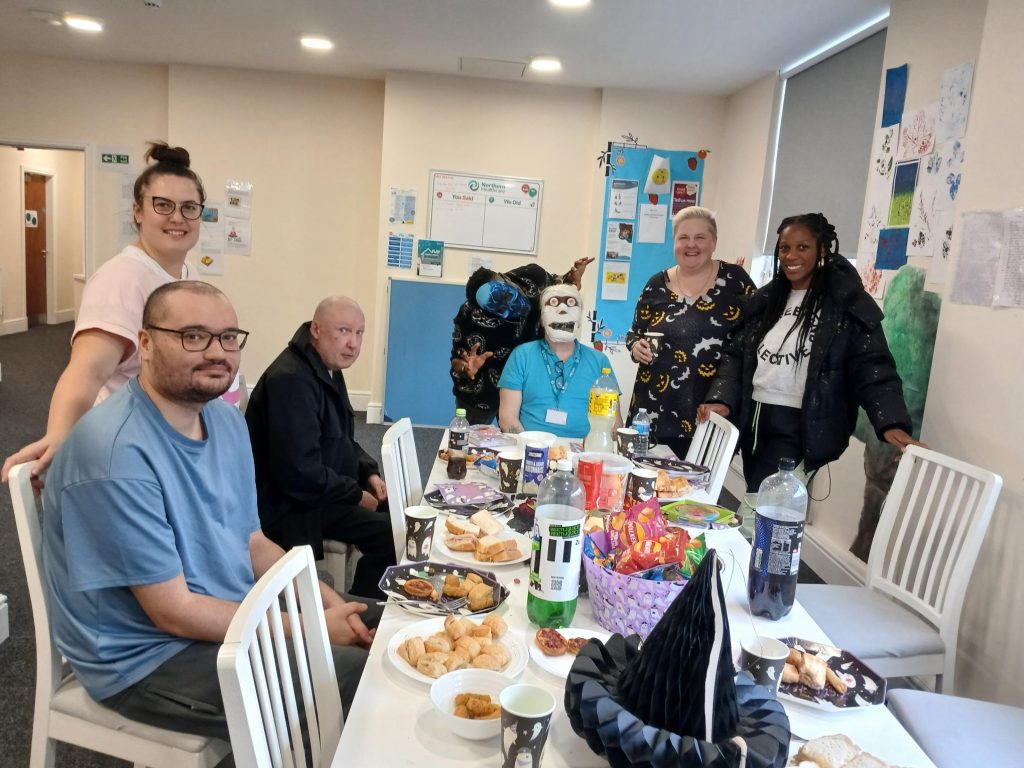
{"x": 518, "y": 655}
{"x": 865, "y": 688}
{"x": 395, "y": 576}
{"x": 440, "y": 551}
{"x": 559, "y": 666}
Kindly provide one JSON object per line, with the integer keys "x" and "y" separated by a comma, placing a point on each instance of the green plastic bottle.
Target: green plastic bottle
{"x": 556, "y": 549}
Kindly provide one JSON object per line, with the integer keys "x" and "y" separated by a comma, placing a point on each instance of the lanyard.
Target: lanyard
{"x": 566, "y": 376}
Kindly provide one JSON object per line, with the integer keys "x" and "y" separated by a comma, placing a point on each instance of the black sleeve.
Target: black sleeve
{"x": 874, "y": 380}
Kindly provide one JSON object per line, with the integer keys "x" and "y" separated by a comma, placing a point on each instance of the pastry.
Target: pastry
{"x": 470, "y": 645}
{"x": 420, "y": 589}
{"x": 455, "y": 628}
{"x": 474, "y": 578}
{"x": 481, "y": 597}
{"x": 833, "y": 679}
{"x": 412, "y": 649}
{"x": 476, "y": 706}
{"x": 432, "y": 665}
{"x": 496, "y": 623}
{"x": 551, "y": 642}
{"x": 790, "y": 674}
{"x": 496, "y": 651}
{"x": 486, "y": 661}
{"x": 812, "y": 671}
{"x": 455, "y": 660}
{"x": 481, "y": 633}
{"x": 439, "y": 643}
{"x": 671, "y": 486}
{"x": 573, "y": 644}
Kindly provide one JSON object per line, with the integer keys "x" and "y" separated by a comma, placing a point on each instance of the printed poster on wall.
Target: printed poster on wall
{"x": 615, "y": 281}
{"x": 622, "y": 200}
{"x": 684, "y": 195}
{"x": 211, "y": 240}
{"x": 618, "y": 241}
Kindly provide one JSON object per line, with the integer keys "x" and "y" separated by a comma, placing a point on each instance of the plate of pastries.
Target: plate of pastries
{"x": 430, "y": 588}
{"x": 432, "y": 648}
{"x": 828, "y": 678}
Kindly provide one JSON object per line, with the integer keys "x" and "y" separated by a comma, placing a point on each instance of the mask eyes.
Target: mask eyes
{"x": 569, "y": 301}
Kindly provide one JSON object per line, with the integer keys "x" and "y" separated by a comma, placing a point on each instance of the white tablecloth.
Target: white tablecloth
{"x": 394, "y": 723}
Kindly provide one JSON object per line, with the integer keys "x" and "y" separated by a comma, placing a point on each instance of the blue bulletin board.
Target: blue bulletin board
{"x": 626, "y": 261}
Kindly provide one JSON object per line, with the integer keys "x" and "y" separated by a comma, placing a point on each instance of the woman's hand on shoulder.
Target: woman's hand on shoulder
{"x": 706, "y": 409}
{"x": 41, "y": 451}
{"x": 641, "y": 352}
{"x": 899, "y": 439}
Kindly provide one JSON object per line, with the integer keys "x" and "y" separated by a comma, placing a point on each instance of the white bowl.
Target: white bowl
{"x": 444, "y": 689}
{"x": 546, "y": 439}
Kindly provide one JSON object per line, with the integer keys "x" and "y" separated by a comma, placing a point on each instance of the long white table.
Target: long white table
{"x": 393, "y": 721}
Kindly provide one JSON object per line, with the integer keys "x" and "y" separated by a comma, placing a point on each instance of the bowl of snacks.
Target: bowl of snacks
{"x": 467, "y": 701}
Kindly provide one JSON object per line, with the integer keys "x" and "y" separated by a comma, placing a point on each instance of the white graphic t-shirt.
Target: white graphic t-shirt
{"x": 781, "y": 373}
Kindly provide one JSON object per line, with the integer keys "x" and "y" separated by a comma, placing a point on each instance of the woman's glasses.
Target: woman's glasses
{"x": 189, "y": 209}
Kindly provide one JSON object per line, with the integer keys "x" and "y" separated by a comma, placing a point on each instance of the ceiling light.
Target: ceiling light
{"x": 82, "y": 23}
{"x": 570, "y": 3}
{"x": 317, "y": 43}
{"x": 545, "y": 64}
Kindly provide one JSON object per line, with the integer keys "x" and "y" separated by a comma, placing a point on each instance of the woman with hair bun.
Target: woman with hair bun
{"x": 168, "y": 207}
{"x": 809, "y": 351}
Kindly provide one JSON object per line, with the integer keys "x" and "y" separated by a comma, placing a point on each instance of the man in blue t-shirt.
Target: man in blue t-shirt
{"x": 546, "y": 383}
{"x": 151, "y": 537}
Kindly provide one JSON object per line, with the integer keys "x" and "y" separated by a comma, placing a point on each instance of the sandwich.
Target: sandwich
{"x": 486, "y": 523}
{"x": 458, "y": 526}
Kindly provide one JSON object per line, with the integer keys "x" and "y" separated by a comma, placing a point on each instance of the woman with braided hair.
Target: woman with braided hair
{"x": 808, "y": 352}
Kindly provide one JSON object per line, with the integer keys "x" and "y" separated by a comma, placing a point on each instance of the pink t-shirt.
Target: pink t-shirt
{"x": 113, "y": 301}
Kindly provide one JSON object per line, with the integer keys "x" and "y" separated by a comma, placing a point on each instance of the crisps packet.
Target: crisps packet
{"x": 674, "y": 548}
{"x": 642, "y": 522}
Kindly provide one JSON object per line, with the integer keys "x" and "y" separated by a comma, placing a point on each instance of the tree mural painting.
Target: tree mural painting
{"x": 911, "y": 320}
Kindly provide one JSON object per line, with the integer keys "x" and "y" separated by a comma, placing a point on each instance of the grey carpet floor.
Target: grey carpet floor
{"x": 30, "y": 364}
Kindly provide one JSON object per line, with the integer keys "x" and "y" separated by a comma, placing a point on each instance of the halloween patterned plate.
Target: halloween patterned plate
{"x": 499, "y": 507}
{"x": 696, "y": 474}
{"x": 864, "y": 688}
{"x": 394, "y": 578}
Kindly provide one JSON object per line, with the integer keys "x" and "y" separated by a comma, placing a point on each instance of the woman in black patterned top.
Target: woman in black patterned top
{"x": 694, "y": 305}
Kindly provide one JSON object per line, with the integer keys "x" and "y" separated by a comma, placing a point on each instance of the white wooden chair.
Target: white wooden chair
{"x": 713, "y": 446}
{"x": 254, "y": 667}
{"x": 905, "y": 619}
{"x": 63, "y": 709}
{"x": 402, "y": 475}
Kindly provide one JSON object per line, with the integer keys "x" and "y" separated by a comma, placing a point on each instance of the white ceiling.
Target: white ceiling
{"x": 709, "y": 46}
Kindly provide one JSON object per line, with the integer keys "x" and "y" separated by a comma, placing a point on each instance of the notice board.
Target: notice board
{"x": 487, "y": 213}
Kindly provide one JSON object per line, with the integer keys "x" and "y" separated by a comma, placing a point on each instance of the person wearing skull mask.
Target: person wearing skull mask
{"x": 499, "y": 314}
{"x": 546, "y": 383}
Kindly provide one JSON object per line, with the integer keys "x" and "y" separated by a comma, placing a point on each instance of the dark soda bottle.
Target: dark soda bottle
{"x": 775, "y": 550}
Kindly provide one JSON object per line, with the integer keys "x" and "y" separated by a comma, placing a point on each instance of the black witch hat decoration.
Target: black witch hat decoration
{"x": 677, "y": 701}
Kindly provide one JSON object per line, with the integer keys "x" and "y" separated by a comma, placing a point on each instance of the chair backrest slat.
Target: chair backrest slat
{"x": 930, "y": 532}
{"x": 255, "y": 667}
{"x": 713, "y": 446}
{"x": 402, "y": 476}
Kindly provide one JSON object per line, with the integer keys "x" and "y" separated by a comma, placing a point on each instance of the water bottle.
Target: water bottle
{"x": 778, "y": 533}
{"x": 642, "y": 425}
{"x": 602, "y": 409}
{"x": 458, "y": 442}
{"x": 556, "y": 549}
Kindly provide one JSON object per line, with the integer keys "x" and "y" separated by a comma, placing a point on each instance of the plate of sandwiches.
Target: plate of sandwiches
{"x": 429, "y": 588}
{"x": 554, "y": 650}
{"x": 482, "y": 540}
{"x": 431, "y": 648}
{"x": 828, "y": 679}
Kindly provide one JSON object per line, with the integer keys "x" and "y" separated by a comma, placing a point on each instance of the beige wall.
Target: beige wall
{"x": 311, "y": 147}
{"x": 491, "y": 127}
{"x": 67, "y": 250}
{"x": 973, "y": 410}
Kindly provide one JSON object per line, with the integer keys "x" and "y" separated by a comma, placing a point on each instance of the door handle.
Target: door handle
{"x": 43, "y": 251}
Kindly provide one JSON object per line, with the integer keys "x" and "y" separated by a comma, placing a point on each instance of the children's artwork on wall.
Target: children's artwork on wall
{"x": 658, "y": 178}
{"x": 895, "y": 95}
{"x": 883, "y": 152}
{"x": 921, "y": 240}
{"x": 872, "y": 278}
{"x": 876, "y": 205}
{"x": 903, "y": 187}
{"x": 955, "y": 101}
{"x": 892, "y": 248}
{"x": 943, "y": 228}
{"x": 917, "y": 133}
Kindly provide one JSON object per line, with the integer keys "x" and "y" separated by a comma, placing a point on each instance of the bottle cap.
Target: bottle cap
{"x": 787, "y": 465}
{"x": 606, "y": 370}
{"x": 642, "y": 410}
{"x": 563, "y": 465}
{"x": 460, "y": 412}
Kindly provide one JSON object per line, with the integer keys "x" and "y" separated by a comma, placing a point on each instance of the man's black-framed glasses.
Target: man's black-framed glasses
{"x": 190, "y": 209}
{"x": 198, "y": 340}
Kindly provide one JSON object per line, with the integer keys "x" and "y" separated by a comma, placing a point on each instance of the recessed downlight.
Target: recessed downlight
{"x": 82, "y": 23}
{"x": 316, "y": 43}
{"x": 545, "y": 64}
{"x": 569, "y": 3}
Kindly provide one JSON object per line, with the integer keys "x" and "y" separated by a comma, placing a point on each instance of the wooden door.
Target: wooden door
{"x": 35, "y": 248}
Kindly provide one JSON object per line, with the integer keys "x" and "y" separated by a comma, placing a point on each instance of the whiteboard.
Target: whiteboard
{"x": 487, "y": 213}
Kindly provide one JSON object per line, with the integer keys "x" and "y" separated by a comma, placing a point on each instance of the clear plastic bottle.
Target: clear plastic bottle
{"x": 556, "y": 549}
{"x": 778, "y": 534}
{"x": 642, "y": 425}
{"x": 458, "y": 442}
{"x": 602, "y": 409}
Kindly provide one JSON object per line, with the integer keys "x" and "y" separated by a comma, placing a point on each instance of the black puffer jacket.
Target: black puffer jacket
{"x": 850, "y": 365}
{"x": 302, "y": 429}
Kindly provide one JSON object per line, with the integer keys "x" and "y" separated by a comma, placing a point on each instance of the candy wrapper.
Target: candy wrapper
{"x": 592, "y": 549}
{"x": 642, "y": 522}
{"x": 674, "y": 548}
